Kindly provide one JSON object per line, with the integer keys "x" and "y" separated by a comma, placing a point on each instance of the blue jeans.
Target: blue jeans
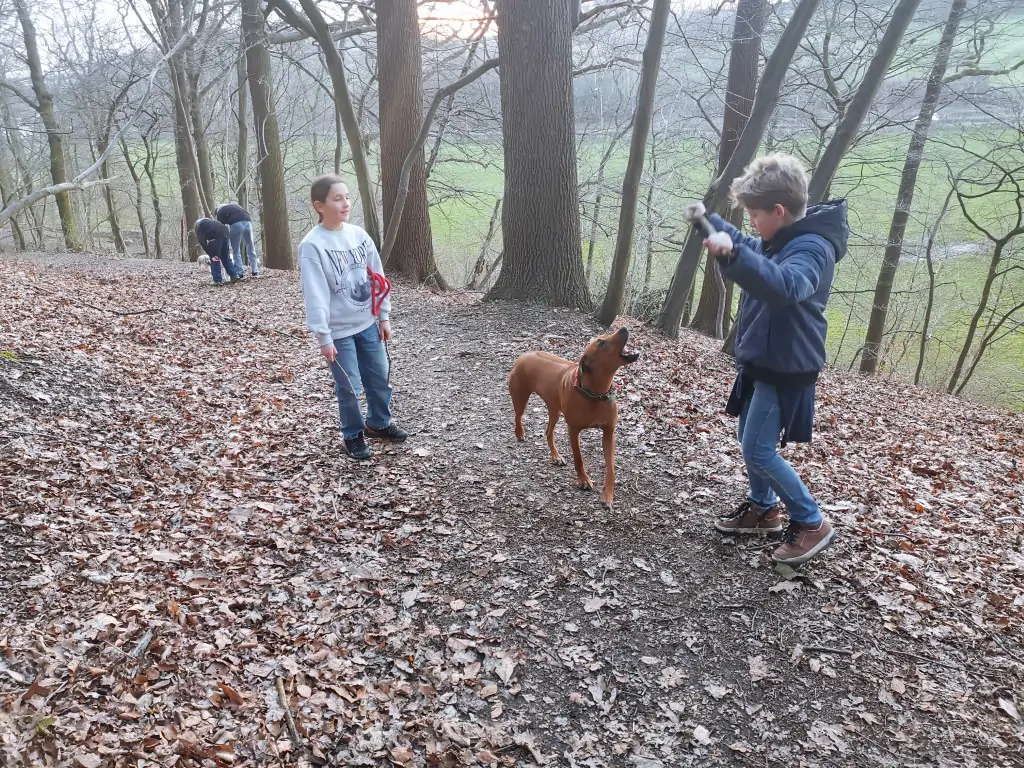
{"x": 238, "y": 231}
{"x": 234, "y": 270}
{"x": 362, "y": 361}
{"x": 771, "y": 477}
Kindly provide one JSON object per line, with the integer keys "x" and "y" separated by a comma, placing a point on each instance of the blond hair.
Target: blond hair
{"x": 773, "y": 180}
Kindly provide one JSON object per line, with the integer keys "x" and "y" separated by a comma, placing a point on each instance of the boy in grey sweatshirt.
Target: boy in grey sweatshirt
{"x": 335, "y": 261}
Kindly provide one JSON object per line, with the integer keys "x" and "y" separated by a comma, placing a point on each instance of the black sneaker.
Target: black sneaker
{"x": 391, "y": 432}
{"x": 356, "y": 447}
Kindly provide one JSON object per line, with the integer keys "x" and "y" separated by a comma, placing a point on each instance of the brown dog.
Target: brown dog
{"x": 581, "y": 392}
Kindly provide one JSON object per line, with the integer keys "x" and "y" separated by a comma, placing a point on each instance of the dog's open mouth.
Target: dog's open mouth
{"x": 630, "y": 357}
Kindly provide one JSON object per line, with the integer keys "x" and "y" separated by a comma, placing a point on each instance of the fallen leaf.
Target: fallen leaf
{"x": 786, "y": 586}
{"x": 758, "y": 668}
{"x": 594, "y": 604}
{"x": 702, "y": 735}
{"x": 231, "y": 693}
{"x": 1009, "y": 708}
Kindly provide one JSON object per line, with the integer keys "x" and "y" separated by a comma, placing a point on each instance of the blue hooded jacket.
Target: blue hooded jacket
{"x": 781, "y": 328}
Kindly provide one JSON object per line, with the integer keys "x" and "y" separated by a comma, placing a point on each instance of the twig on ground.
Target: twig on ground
{"x": 293, "y": 732}
{"x": 825, "y": 649}
{"x": 253, "y": 327}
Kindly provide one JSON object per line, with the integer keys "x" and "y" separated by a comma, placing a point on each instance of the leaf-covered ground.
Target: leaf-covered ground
{"x": 184, "y": 544}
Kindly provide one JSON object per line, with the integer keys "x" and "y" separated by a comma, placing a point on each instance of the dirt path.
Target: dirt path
{"x": 180, "y": 529}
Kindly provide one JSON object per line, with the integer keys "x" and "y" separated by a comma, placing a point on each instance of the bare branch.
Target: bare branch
{"x": 338, "y": 32}
{"x": 79, "y": 182}
{"x": 979, "y": 72}
{"x": 417, "y": 148}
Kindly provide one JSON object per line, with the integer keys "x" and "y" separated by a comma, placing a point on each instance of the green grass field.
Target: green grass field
{"x": 468, "y": 180}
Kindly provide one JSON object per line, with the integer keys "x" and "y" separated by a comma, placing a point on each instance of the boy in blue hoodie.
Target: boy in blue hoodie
{"x": 786, "y": 277}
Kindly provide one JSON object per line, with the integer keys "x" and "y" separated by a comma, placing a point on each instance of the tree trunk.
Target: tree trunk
{"x": 318, "y": 27}
{"x": 277, "y": 247}
{"x": 191, "y": 202}
{"x": 481, "y": 260}
{"x": 744, "y": 58}
{"x": 746, "y": 148}
{"x": 401, "y": 116}
{"x": 905, "y": 196}
{"x": 139, "y": 212}
{"x": 595, "y": 219}
{"x": 242, "y": 150}
{"x": 847, "y": 129}
{"x": 44, "y": 106}
{"x": 540, "y": 217}
{"x": 195, "y": 103}
{"x": 108, "y": 197}
{"x": 972, "y": 328}
{"x": 158, "y": 217}
{"x": 7, "y": 197}
{"x": 612, "y": 304}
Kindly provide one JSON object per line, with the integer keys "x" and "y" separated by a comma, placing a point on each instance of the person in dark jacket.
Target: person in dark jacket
{"x": 239, "y": 225}
{"x": 785, "y": 277}
{"x": 213, "y": 237}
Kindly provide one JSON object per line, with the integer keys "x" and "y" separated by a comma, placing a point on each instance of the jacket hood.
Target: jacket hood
{"x": 827, "y": 220}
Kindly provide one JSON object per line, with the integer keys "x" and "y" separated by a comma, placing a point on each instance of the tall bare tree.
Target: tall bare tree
{"x": 905, "y": 196}
{"x": 401, "y": 115}
{"x": 277, "y": 240}
{"x": 862, "y": 100}
{"x": 54, "y": 133}
{"x": 540, "y": 218}
{"x": 739, "y": 97}
{"x": 612, "y": 304}
{"x": 746, "y": 148}
{"x": 311, "y": 22}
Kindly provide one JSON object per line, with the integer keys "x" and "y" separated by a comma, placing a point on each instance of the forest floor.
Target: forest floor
{"x": 182, "y": 542}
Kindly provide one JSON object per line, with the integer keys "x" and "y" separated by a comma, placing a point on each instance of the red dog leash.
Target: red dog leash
{"x": 380, "y": 288}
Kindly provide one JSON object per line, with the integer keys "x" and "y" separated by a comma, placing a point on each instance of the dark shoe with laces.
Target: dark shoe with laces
{"x": 391, "y": 432}
{"x": 750, "y": 518}
{"x": 801, "y": 542}
{"x": 356, "y": 447}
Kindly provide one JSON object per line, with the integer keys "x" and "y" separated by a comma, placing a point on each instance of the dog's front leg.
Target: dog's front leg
{"x": 582, "y": 478}
{"x": 556, "y": 457}
{"x": 608, "y": 443}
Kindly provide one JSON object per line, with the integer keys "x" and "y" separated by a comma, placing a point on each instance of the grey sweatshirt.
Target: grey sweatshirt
{"x": 335, "y": 283}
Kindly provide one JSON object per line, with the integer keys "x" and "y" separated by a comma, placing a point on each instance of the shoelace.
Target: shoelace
{"x": 741, "y": 510}
{"x": 789, "y": 536}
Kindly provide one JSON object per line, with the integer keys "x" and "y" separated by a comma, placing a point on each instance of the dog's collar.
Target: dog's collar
{"x": 577, "y": 384}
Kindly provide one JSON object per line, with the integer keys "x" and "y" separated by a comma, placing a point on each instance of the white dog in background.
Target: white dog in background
{"x": 204, "y": 260}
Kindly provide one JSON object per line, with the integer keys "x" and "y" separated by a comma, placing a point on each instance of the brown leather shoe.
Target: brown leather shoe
{"x": 801, "y": 542}
{"x": 749, "y": 518}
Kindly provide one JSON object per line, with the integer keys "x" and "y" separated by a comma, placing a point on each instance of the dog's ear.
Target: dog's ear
{"x": 585, "y": 364}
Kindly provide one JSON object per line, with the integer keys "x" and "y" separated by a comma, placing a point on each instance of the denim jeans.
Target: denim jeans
{"x": 771, "y": 477}
{"x": 361, "y": 358}
{"x": 237, "y": 232}
{"x": 234, "y": 270}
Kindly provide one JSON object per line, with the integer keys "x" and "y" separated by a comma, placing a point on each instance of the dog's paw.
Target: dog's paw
{"x": 584, "y": 484}
{"x": 607, "y": 503}
{"x": 558, "y": 461}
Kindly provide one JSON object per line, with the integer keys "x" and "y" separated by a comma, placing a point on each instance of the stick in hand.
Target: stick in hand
{"x": 697, "y": 213}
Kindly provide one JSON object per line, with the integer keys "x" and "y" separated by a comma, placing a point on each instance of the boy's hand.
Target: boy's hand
{"x": 694, "y": 211}
{"x": 329, "y": 351}
{"x": 385, "y": 330}
{"x": 719, "y": 244}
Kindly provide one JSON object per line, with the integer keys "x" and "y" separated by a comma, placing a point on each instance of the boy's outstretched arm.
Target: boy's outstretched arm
{"x": 316, "y": 294}
{"x": 778, "y": 284}
{"x": 738, "y": 238}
